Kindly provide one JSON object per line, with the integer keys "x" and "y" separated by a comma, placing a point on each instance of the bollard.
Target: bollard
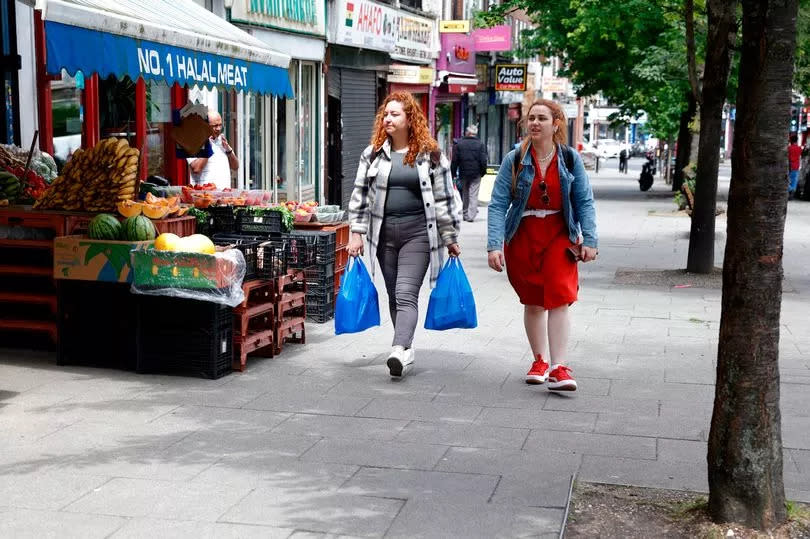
{"x": 597, "y": 164}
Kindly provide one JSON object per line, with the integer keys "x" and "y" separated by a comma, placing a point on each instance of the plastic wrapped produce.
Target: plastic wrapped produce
{"x": 216, "y": 278}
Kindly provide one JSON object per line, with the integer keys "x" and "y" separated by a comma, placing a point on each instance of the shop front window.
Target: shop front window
{"x": 158, "y": 126}
{"x": 307, "y": 125}
{"x": 254, "y": 154}
{"x": 444, "y": 126}
{"x": 116, "y": 101}
{"x": 66, "y": 111}
{"x": 286, "y": 134}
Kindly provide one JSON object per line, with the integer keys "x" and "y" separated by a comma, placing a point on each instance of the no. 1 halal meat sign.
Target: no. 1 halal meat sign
{"x": 510, "y": 77}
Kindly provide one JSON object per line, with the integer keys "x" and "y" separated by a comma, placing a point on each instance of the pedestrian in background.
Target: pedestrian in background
{"x": 794, "y": 159}
{"x": 541, "y": 214}
{"x": 623, "y": 161}
{"x": 405, "y": 204}
{"x": 469, "y": 165}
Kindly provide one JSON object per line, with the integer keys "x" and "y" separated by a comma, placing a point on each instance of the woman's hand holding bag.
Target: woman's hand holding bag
{"x": 357, "y": 306}
{"x": 451, "y": 303}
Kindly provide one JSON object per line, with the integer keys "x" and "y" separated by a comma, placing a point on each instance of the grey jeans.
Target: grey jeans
{"x": 469, "y": 198}
{"x": 404, "y": 256}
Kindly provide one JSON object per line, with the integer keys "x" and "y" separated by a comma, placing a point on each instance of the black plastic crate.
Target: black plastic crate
{"x": 321, "y": 287}
{"x": 299, "y": 252}
{"x": 320, "y": 312}
{"x": 180, "y": 313}
{"x": 250, "y": 250}
{"x": 323, "y": 242}
{"x": 88, "y": 334}
{"x": 268, "y": 224}
{"x": 271, "y": 260}
{"x": 319, "y": 272}
{"x": 175, "y": 341}
{"x": 223, "y": 219}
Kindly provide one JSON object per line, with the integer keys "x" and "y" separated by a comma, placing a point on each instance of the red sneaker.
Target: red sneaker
{"x": 538, "y": 373}
{"x": 559, "y": 379}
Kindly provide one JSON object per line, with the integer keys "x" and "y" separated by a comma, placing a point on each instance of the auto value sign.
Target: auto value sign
{"x": 510, "y": 77}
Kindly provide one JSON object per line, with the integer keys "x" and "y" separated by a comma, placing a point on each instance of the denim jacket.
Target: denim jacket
{"x": 506, "y": 211}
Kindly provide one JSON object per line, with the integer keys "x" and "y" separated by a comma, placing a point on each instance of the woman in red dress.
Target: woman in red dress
{"x": 541, "y": 206}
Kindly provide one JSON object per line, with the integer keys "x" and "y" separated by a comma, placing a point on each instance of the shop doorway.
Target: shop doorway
{"x": 334, "y": 173}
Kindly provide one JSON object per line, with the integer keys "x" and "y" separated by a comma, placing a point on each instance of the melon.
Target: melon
{"x": 104, "y": 226}
{"x": 168, "y": 242}
{"x": 129, "y": 208}
{"x": 197, "y": 243}
{"x": 138, "y": 228}
{"x": 153, "y": 211}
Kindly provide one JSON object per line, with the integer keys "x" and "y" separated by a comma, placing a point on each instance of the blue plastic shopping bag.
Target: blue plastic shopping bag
{"x": 357, "y": 306}
{"x": 451, "y": 303}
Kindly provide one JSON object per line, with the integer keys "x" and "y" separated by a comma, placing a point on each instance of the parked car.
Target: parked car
{"x": 607, "y": 148}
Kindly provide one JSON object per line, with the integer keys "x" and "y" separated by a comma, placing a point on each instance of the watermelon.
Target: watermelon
{"x": 138, "y": 228}
{"x": 104, "y": 226}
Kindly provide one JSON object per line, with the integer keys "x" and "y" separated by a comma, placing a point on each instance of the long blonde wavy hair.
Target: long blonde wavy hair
{"x": 419, "y": 138}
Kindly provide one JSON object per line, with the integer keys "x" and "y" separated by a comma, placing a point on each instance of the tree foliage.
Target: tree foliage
{"x": 631, "y": 51}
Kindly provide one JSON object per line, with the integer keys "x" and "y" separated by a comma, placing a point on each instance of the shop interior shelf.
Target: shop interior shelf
{"x": 41, "y": 271}
{"x": 42, "y": 244}
{"x": 33, "y": 325}
{"x": 29, "y": 297}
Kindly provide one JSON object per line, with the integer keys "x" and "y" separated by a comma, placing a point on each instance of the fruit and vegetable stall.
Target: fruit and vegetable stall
{"x": 199, "y": 279}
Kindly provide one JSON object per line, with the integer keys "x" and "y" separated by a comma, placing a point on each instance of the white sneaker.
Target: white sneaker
{"x": 400, "y": 361}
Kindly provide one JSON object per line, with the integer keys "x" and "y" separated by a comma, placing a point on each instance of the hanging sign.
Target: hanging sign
{"x": 457, "y": 27}
{"x": 510, "y": 77}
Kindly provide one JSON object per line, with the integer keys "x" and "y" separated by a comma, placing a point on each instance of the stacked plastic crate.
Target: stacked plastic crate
{"x": 320, "y": 276}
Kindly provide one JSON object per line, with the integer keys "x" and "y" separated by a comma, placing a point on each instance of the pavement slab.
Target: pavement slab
{"x": 319, "y": 441}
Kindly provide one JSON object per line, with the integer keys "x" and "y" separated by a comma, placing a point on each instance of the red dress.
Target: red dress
{"x": 538, "y": 267}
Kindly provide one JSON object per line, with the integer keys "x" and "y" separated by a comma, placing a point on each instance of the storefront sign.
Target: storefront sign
{"x": 462, "y": 88}
{"x": 405, "y": 74}
{"x": 414, "y": 39}
{"x": 510, "y": 77}
{"x": 366, "y": 24}
{"x": 105, "y": 53}
{"x": 555, "y": 84}
{"x": 497, "y": 38}
{"x": 457, "y": 54}
{"x": 308, "y": 16}
{"x": 454, "y": 27}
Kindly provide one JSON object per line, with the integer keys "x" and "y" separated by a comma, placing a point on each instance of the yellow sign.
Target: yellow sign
{"x": 409, "y": 74}
{"x": 458, "y": 27}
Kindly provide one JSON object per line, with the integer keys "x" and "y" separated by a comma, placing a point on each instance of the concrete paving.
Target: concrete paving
{"x": 319, "y": 442}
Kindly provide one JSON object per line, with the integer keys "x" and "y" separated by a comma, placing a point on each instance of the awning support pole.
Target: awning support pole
{"x": 45, "y": 119}
{"x": 91, "y": 128}
{"x": 177, "y": 167}
{"x": 140, "y": 126}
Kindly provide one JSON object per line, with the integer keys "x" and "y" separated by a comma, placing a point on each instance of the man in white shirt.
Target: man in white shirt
{"x": 217, "y": 168}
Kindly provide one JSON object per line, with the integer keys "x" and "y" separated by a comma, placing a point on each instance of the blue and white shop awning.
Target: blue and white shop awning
{"x": 176, "y": 41}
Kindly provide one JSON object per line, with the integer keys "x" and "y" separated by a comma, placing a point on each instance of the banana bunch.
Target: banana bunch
{"x": 9, "y": 186}
{"x": 95, "y": 179}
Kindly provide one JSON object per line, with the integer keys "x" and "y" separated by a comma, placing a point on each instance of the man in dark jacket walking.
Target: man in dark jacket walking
{"x": 468, "y": 165}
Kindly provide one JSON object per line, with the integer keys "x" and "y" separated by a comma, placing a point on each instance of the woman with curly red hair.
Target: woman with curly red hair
{"x": 405, "y": 203}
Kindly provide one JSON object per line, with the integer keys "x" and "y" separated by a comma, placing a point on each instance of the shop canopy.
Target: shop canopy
{"x": 175, "y": 41}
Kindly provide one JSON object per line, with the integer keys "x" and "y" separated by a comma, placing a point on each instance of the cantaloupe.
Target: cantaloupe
{"x": 153, "y": 211}
{"x": 129, "y": 208}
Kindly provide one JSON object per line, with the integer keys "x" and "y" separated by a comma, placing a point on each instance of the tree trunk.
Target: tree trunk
{"x": 719, "y": 40}
{"x": 684, "y": 141}
{"x": 745, "y": 441}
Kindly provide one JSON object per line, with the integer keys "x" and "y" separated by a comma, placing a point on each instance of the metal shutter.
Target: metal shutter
{"x": 358, "y": 102}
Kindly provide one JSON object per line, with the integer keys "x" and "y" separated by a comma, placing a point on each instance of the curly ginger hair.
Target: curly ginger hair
{"x": 419, "y": 138}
